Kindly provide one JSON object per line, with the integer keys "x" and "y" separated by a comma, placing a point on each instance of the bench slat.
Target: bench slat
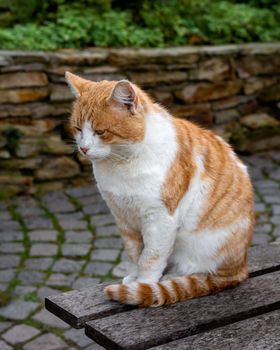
{"x": 144, "y": 328}
{"x": 257, "y": 333}
{"x": 264, "y": 259}
{"x": 80, "y": 306}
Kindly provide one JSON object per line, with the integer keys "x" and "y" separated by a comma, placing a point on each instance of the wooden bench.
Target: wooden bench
{"x": 246, "y": 317}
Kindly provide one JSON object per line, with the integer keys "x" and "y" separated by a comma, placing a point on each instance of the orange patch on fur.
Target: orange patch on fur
{"x": 133, "y": 242}
{"x": 132, "y": 235}
{"x": 179, "y": 291}
{"x": 230, "y": 186}
{"x": 145, "y": 294}
{"x": 122, "y": 293}
{"x": 95, "y": 106}
{"x": 182, "y": 169}
{"x": 108, "y": 292}
{"x": 149, "y": 262}
{"x": 193, "y": 286}
{"x": 165, "y": 294}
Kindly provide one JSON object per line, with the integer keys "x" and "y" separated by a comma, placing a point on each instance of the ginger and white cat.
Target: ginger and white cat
{"x": 180, "y": 196}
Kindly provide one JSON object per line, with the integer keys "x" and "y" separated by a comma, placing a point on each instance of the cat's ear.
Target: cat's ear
{"x": 124, "y": 93}
{"x": 76, "y": 84}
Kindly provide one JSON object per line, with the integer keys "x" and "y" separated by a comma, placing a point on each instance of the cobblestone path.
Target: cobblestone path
{"x": 67, "y": 240}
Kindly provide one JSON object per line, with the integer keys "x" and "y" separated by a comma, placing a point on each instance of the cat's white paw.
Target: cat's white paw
{"x": 148, "y": 280}
{"x": 130, "y": 278}
{"x": 168, "y": 276}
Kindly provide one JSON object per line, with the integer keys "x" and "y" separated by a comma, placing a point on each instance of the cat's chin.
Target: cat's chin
{"x": 94, "y": 157}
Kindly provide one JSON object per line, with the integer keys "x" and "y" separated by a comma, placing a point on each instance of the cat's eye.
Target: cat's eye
{"x": 99, "y": 132}
{"x": 78, "y": 129}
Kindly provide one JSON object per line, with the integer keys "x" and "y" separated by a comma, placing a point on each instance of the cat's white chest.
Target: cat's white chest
{"x": 132, "y": 189}
{"x": 130, "y": 192}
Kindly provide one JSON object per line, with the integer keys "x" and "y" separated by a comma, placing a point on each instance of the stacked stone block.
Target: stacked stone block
{"x": 233, "y": 89}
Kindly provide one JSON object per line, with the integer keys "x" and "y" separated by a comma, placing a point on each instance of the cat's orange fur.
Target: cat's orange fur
{"x": 227, "y": 201}
{"x": 94, "y": 102}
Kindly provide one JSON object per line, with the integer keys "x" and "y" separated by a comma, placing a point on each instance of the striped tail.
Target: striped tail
{"x": 171, "y": 291}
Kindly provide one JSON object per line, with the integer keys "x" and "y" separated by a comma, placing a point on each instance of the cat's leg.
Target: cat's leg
{"x": 159, "y": 234}
{"x": 133, "y": 244}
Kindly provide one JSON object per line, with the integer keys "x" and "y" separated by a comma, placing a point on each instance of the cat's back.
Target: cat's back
{"x": 202, "y": 148}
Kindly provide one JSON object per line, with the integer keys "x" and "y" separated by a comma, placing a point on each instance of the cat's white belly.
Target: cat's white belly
{"x": 196, "y": 252}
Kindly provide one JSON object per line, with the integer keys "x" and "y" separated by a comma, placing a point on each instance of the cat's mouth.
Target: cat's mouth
{"x": 94, "y": 155}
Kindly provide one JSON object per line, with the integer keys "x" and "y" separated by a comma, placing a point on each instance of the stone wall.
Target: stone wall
{"x": 232, "y": 89}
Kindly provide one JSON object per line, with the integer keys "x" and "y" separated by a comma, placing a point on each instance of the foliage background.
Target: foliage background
{"x": 52, "y": 24}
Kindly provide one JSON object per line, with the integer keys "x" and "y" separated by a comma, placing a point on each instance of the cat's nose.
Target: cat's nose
{"x": 84, "y": 149}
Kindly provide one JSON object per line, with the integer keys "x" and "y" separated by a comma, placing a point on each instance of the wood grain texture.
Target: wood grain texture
{"x": 257, "y": 333}
{"x": 264, "y": 259}
{"x": 78, "y": 307}
{"x": 144, "y": 328}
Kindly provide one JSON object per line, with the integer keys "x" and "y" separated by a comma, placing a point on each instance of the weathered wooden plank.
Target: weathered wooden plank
{"x": 263, "y": 259}
{"x": 144, "y": 328}
{"x": 78, "y": 307}
{"x": 257, "y": 333}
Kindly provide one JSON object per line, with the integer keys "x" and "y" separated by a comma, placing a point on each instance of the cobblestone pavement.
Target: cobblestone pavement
{"x": 67, "y": 240}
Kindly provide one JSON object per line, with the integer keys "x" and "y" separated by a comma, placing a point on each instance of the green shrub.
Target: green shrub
{"x": 52, "y": 24}
{"x": 13, "y": 136}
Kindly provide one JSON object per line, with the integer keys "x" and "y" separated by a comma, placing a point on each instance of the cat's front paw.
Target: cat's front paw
{"x": 132, "y": 277}
{"x": 147, "y": 280}
{"x": 168, "y": 277}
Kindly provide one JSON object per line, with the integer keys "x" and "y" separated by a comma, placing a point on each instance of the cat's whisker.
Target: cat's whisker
{"x": 118, "y": 156}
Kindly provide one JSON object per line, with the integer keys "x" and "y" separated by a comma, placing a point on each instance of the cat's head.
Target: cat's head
{"x": 107, "y": 116}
